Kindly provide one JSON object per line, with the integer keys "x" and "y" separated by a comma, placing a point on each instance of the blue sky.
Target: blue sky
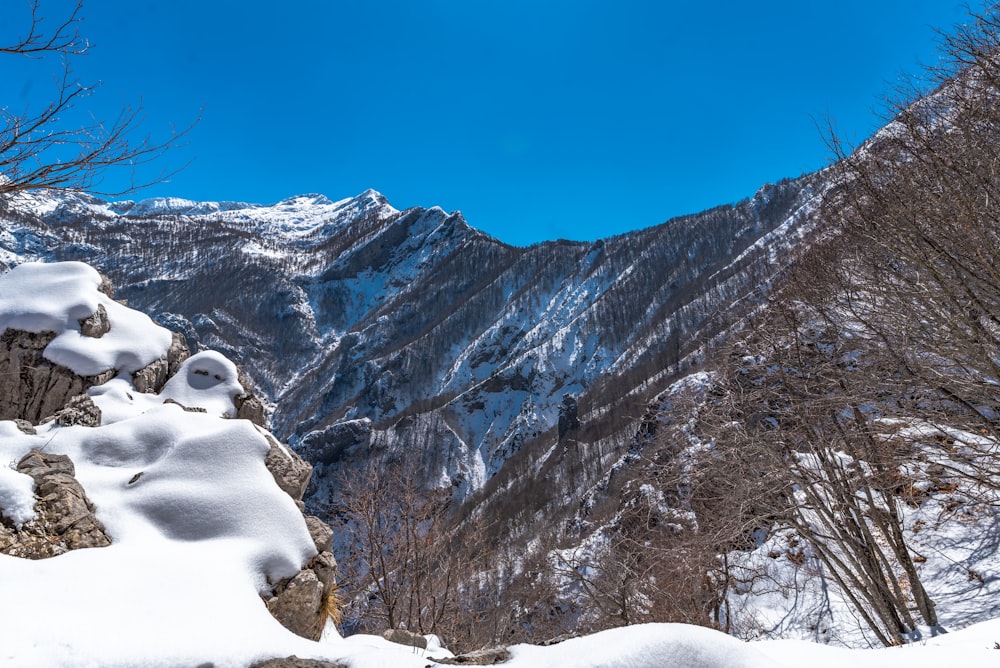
{"x": 538, "y": 120}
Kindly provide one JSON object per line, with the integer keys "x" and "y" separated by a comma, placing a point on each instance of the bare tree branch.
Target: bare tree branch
{"x": 41, "y": 149}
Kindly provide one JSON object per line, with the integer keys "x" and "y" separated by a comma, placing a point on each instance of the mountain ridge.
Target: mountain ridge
{"x": 431, "y": 330}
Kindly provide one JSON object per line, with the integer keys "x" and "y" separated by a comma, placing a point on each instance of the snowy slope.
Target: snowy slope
{"x": 443, "y": 338}
{"x": 199, "y": 527}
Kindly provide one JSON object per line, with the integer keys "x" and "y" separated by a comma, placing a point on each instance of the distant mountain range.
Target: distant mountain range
{"x": 377, "y": 333}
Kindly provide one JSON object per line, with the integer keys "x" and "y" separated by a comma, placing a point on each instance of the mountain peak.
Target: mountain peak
{"x": 156, "y": 206}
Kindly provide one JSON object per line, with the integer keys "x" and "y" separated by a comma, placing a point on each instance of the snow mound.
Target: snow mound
{"x": 645, "y": 646}
{"x": 38, "y": 297}
{"x": 207, "y": 380}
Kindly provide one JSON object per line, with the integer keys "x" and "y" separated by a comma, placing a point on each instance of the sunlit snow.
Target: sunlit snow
{"x": 200, "y": 528}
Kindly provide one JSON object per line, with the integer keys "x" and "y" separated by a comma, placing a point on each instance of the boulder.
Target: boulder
{"x": 97, "y": 325}
{"x": 291, "y": 472}
{"x": 298, "y": 604}
{"x": 249, "y": 407}
{"x": 152, "y": 377}
{"x": 324, "y": 565}
{"x": 302, "y": 603}
{"x": 321, "y": 532}
{"x": 31, "y": 387}
{"x": 482, "y": 657}
{"x": 404, "y": 637}
{"x": 177, "y": 353}
{"x": 79, "y": 410}
{"x": 65, "y": 517}
{"x": 296, "y": 662}
{"x": 106, "y": 286}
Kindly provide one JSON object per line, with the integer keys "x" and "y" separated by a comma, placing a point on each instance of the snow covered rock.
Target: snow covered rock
{"x": 153, "y": 376}
{"x": 404, "y": 637}
{"x": 298, "y": 605}
{"x": 80, "y": 410}
{"x": 62, "y": 334}
{"x": 104, "y": 460}
{"x": 64, "y": 516}
{"x": 481, "y": 657}
{"x": 33, "y": 388}
{"x": 296, "y": 662}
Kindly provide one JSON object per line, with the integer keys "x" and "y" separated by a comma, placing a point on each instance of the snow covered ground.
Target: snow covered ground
{"x": 199, "y": 528}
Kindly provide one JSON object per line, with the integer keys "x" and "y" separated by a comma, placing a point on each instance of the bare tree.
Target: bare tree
{"x": 40, "y": 148}
{"x": 797, "y": 408}
{"x": 893, "y": 314}
{"x": 399, "y": 569}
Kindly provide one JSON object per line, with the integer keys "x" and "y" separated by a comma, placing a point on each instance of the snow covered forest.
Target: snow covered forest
{"x": 766, "y": 434}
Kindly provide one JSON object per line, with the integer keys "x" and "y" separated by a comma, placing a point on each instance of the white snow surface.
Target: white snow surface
{"x": 200, "y": 529}
{"x": 17, "y": 490}
{"x": 207, "y": 380}
{"x": 39, "y": 297}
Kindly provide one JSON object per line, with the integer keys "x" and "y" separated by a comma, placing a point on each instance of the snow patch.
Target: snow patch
{"x": 38, "y": 297}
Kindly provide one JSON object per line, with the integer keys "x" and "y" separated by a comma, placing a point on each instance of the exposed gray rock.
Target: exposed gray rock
{"x": 106, "y": 287}
{"x": 25, "y": 426}
{"x": 324, "y": 565}
{"x": 189, "y": 409}
{"x": 329, "y": 445}
{"x": 96, "y": 325}
{"x": 321, "y": 533}
{"x": 298, "y": 604}
{"x": 65, "y": 517}
{"x": 32, "y": 387}
{"x": 296, "y": 662}
{"x": 404, "y": 637}
{"x": 301, "y": 603}
{"x": 79, "y": 410}
{"x": 482, "y": 657}
{"x": 249, "y": 407}
{"x": 152, "y": 377}
{"x": 177, "y": 353}
{"x": 291, "y": 472}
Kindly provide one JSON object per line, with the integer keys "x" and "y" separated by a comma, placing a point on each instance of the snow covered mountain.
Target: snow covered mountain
{"x": 193, "y": 502}
{"x": 374, "y": 332}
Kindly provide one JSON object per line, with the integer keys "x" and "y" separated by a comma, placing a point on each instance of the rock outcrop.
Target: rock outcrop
{"x": 31, "y": 387}
{"x": 296, "y": 662}
{"x": 303, "y": 602}
{"x": 65, "y": 518}
{"x": 482, "y": 657}
{"x": 152, "y": 377}
{"x": 290, "y": 471}
{"x": 34, "y": 390}
{"x": 96, "y": 325}
{"x": 404, "y": 637}
{"x": 79, "y": 410}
